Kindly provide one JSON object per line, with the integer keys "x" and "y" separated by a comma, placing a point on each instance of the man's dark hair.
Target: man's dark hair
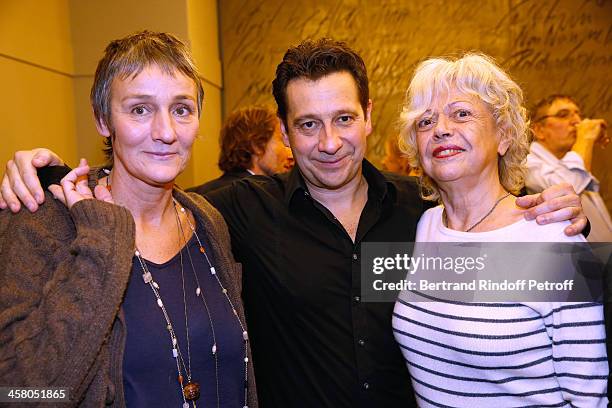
{"x": 313, "y": 60}
{"x": 539, "y": 109}
{"x": 245, "y": 132}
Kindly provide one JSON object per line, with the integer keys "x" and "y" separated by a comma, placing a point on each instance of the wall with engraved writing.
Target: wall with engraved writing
{"x": 549, "y": 46}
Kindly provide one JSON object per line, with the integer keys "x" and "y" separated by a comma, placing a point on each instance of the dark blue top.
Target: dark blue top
{"x": 149, "y": 370}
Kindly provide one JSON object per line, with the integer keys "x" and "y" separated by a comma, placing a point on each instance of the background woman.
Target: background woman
{"x": 464, "y": 126}
{"x": 138, "y": 302}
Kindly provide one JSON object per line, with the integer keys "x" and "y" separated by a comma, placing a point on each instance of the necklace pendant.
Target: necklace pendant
{"x": 146, "y": 277}
{"x": 191, "y": 391}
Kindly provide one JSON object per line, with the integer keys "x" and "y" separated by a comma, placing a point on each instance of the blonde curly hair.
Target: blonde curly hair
{"x": 477, "y": 75}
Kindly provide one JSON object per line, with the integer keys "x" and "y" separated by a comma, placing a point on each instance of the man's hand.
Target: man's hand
{"x": 594, "y": 130}
{"x": 557, "y": 203}
{"x": 590, "y": 132}
{"x": 20, "y": 182}
{"x": 75, "y": 187}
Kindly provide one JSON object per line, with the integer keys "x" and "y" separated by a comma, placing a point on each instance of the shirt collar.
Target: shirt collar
{"x": 540, "y": 150}
{"x": 294, "y": 184}
{"x": 377, "y": 184}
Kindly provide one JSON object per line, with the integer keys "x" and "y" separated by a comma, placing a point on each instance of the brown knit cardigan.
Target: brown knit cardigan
{"x": 63, "y": 275}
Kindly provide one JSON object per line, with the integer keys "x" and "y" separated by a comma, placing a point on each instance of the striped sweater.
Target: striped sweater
{"x": 540, "y": 354}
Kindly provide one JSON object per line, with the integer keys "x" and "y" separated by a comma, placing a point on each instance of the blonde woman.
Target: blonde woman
{"x": 465, "y": 127}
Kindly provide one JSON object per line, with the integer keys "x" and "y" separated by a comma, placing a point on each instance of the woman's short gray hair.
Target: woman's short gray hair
{"x": 472, "y": 74}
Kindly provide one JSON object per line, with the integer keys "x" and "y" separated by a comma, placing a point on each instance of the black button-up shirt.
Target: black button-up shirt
{"x": 225, "y": 179}
{"x": 315, "y": 343}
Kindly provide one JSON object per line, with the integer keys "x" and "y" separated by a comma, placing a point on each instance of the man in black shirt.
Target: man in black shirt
{"x": 298, "y": 235}
{"x": 299, "y": 239}
{"x": 316, "y": 343}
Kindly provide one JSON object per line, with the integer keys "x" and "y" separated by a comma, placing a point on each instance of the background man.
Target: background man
{"x": 394, "y": 161}
{"x": 562, "y": 152}
{"x": 251, "y": 143}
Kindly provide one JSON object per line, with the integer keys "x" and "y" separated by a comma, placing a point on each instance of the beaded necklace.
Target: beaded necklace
{"x": 191, "y": 390}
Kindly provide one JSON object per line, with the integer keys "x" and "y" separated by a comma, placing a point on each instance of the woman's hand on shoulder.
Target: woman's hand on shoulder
{"x": 75, "y": 187}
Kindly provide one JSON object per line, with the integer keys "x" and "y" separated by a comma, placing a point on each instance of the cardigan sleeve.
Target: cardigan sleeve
{"x": 62, "y": 278}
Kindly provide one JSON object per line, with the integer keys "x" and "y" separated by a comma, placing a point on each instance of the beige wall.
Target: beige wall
{"x": 36, "y": 69}
{"x": 548, "y": 46}
{"x": 203, "y": 31}
{"x": 48, "y": 54}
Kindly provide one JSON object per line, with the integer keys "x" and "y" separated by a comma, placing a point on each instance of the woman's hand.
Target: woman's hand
{"x": 75, "y": 187}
